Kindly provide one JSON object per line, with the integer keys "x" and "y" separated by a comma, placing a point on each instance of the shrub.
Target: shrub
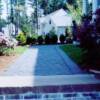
{"x": 51, "y": 38}
{"x": 90, "y": 42}
{"x": 2, "y": 50}
{"x": 54, "y": 39}
{"x": 34, "y": 38}
{"x": 62, "y": 38}
{"x": 66, "y": 32}
{"x": 40, "y": 39}
{"x": 21, "y": 39}
{"x": 69, "y": 40}
{"x": 31, "y": 40}
{"x": 6, "y": 43}
{"x": 47, "y": 39}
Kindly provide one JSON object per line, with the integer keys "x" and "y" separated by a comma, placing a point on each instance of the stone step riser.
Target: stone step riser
{"x": 53, "y": 96}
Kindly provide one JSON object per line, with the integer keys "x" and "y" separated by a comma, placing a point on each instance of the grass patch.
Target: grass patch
{"x": 16, "y": 50}
{"x": 73, "y": 52}
{"x": 20, "y": 49}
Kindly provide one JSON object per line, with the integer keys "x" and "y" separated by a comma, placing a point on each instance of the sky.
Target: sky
{"x": 4, "y": 12}
{"x": 90, "y": 1}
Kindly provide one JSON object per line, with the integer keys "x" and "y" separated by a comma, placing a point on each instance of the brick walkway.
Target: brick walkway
{"x": 43, "y": 60}
{"x": 74, "y": 92}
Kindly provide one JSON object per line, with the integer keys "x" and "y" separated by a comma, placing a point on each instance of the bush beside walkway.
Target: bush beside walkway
{"x": 5, "y": 60}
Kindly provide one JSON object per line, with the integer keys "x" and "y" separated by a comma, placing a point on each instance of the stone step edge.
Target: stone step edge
{"x": 30, "y": 81}
{"x": 51, "y": 89}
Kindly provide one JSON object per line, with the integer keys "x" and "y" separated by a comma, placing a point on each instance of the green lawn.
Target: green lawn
{"x": 16, "y": 50}
{"x": 20, "y": 49}
{"x": 73, "y": 52}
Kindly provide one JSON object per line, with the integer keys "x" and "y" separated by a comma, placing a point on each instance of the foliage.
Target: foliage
{"x": 71, "y": 2}
{"x": 51, "y": 39}
{"x": 54, "y": 39}
{"x": 90, "y": 48}
{"x": 19, "y": 17}
{"x": 21, "y": 38}
{"x": 90, "y": 42}
{"x": 25, "y": 25}
{"x": 29, "y": 40}
{"x": 0, "y": 8}
{"x": 62, "y": 38}
{"x": 53, "y": 36}
{"x": 19, "y": 49}
{"x": 6, "y": 44}
{"x": 47, "y": 39}
{"x": 5, "y": 50}
{"x": 40, "y": 39}
{"x": 50, "y": 6}
{"x": 2, "y": 24}
{"x": 66, "y": 32}
{"x": 8, "y": 51}
{"x": 32, "y": 39}
{"x": 69, "y": 40}
{"x": 75, "y": 12}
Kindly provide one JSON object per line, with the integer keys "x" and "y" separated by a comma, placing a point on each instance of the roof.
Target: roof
{"x": 59, "y": 12}
{"x": 59, "y": 17}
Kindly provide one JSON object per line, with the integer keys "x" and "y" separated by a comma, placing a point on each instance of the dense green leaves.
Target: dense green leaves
{"x": 0, "y": 8}
{"x": 51, "y": 5}
{"x": 2, "y": 23}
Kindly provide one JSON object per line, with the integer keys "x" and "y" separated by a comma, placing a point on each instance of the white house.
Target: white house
{"x": 57, "y": 20}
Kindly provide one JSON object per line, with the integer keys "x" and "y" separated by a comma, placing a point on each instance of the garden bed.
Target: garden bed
{"x": 6, "y": 60}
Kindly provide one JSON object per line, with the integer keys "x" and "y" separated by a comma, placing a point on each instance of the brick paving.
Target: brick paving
{"x": 67, "y": 92}
{"x": 52, "y": 89}
{"x": 54, "y": 96}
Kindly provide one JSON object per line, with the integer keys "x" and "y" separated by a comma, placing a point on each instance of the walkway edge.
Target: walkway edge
{"x": 31, "y": 81}
{"x": 69, "y": 62}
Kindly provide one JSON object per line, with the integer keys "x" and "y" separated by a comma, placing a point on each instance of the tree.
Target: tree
{"x": 2, "y": 21}
{"x": 0, "y": 9}
{"x": 43, "y": 3}
{"x": 71, "y": 2}
{"x": 75, "y": 10}
{"x": 51, "y": 5}
{"x": 18, "y": 16}
{"x": 0, "y": 13}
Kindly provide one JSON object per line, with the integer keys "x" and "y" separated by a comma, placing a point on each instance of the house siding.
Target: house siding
{"x": 54, "y": 20}
{"x": 61, "y": 30}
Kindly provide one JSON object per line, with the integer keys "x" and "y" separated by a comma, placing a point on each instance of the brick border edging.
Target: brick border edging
{"x": 51, "y": 89}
